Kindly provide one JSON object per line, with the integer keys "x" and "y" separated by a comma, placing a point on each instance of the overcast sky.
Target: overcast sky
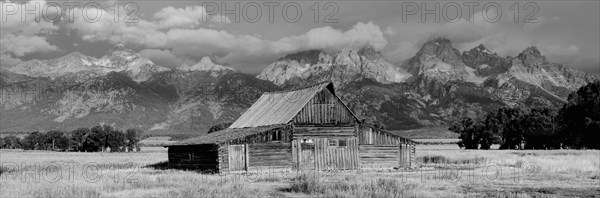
{"x": 173, "y": 32}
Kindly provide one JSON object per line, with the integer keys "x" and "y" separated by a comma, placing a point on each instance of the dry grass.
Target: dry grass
{"x": 443, "y": 172}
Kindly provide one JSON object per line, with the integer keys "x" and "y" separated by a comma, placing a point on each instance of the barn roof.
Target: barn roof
{"x": 274, "y": 108}
{"x": 271, "y": 111}
{"x": 224, "y": 135}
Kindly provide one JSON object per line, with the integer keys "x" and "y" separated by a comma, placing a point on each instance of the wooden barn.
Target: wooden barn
{"x": 304, "y": 129}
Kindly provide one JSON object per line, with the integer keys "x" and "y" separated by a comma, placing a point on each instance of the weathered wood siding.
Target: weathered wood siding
{"x": 237, "y": 157}
{"x": 368, "y": 136}
{"x": 269, "y": 156}
{"x": 336, "y": 158}
{"x": 223, "y": 156}
{"x": 200, "y": 157}
{"x": 282, "y": 134}
{"x": 300, "y": 132}
{"x": 326, "y": 157}
{"x": 324, "y": 109}
{"x": 386, "y": 156}
{"x": 378, "y": 156}
{"x": 407, "y": 155}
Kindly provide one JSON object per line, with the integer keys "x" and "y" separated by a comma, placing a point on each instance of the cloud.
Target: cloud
{"x": 540, "y": 21}
{"x": 7, "y": 60}
{"x": 13, "y": 23}
{"x": 19, "y": 37}
{"x": 162, "y": 57}
{"x": 175, "y": 29}
{"x": 464, "y": 30}
{"x": 328, "y": 38}
{"x": 561, "y": 54}
{"x": 390, "y": 31}
{"x": 404, "y": 50}
{"x": 190, "y": 16}
{"x": 21, "y": 45}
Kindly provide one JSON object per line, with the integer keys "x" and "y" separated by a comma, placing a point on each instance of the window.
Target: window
{"x": 276, "y": 136}
{"x": 332, "y": 143}
{"x": 343, "y": 142}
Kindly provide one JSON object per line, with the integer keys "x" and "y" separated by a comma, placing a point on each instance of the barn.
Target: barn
{"x": 303, "y": 129}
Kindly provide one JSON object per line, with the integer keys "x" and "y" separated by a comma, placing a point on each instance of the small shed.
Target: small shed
{"x": 308, "y": 128}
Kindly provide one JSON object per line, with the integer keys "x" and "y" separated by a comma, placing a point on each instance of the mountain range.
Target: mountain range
{"x": 437, "y": 85}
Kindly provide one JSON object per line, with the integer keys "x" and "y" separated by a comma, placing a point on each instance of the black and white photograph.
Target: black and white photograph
{"x": 299, "y": 98}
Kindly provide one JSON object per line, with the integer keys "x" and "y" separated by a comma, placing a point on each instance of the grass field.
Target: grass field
{"x": 443, "y": 171}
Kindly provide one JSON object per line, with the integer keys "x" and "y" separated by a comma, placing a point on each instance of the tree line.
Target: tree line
{"x": 575, "y": 125}
{"x": 95, "y": 139}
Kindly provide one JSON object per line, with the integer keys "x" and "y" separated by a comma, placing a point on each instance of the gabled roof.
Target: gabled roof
{"x": 275, "y": 108}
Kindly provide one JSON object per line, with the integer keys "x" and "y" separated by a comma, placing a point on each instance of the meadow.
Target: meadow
{"x": 442, "y": 171}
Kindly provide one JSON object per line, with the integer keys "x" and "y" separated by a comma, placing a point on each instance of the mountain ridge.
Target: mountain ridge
{"x": 434, "y": 87}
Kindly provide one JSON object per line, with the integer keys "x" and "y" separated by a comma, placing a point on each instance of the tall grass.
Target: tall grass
{"x": 352, "y": 187}
{"x": 438, "y": 174}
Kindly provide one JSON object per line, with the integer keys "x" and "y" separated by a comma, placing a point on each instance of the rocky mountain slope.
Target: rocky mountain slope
{"x": 341, "y": 68}
{"x": 117, "y": 89}
{"x": 78, "y": 67}
{"x": 438, "y": 84}
{"x": 435, "y": 86}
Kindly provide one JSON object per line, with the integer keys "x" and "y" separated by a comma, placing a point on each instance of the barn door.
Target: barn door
{"x": 238, "y": 159}
{"x": 406, "y": 151}
{"x": 307, "y": 156}
{"x": 303, "y": 154}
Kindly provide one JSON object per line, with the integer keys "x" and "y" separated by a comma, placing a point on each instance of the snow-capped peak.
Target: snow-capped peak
{"x": 205, "y": 64}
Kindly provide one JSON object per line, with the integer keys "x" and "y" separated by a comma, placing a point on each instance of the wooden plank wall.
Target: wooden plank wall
{"x": 237, "y": 157}
{"x": 387, "y": 156}
{"x": 223, "y": 158}
{"x": 325, "y": 109}
{"x": 199, "y": 157}
{"x": 336, "y": 158}
{"x": 284, "y": 134}
{"x": 300, "y": 132}
{"x": 269, "y": 156}
{"x": 375, "y": 137}
{"x": 378, "y": 156}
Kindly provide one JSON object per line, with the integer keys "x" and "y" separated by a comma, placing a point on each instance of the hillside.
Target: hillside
{"x": 437, "y": 85}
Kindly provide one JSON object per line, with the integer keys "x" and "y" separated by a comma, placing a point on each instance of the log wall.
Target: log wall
{"x": 378, "y": 156}
{"x": 269, "y": 156}
{"x": 203, "y": 157}
{"x": 223, "y": 155}
{"x": 387, "y": 156}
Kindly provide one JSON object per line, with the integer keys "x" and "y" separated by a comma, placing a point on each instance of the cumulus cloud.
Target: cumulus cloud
{"x": 463, "y": 30}
{"x": 328, "y": 38}
{"x": 190, "y": 16}
{"x": 162, "y": 57}
{"x": 403, "y": 50}
{"x": 7, "y": 60}
{"x": 21, "y": 45}
{"x": 22, "y": 36}
{"x": 175, "y": 29}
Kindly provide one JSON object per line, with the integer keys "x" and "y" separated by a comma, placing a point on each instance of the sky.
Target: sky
{"x": 248, "y": 35}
